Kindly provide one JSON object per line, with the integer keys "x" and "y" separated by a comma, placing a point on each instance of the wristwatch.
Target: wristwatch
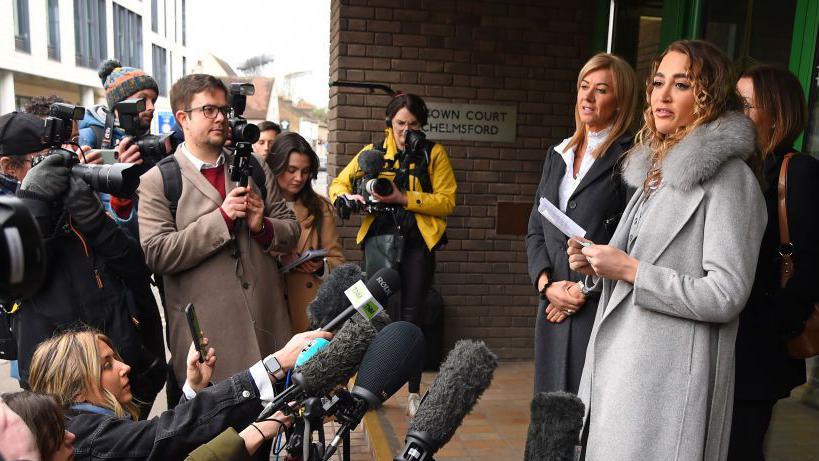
{"x": 273, "y": 367}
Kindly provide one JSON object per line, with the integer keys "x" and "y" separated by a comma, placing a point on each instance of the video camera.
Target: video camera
{"x": 151, "y": 147}
{"x": 119, "y": 179}
{"x": 242, "y": 133}
{"x": 371, "y": 163}
{"x": 22, "y": 251}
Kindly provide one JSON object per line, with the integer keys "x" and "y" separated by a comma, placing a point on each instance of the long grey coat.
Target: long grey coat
{"x": 659, "y": 373}
{"x": 233, "y": 282}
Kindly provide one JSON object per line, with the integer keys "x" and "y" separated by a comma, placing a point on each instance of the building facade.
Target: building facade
{"x": 54, "y": 47}
{"x": 518, "y": 61}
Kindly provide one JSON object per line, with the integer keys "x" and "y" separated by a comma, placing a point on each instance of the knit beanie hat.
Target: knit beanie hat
{"x": 121, "y": 82}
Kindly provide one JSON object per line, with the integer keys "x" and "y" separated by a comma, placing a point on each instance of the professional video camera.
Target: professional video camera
{"x": 371, "y": 163}
{"x": 242, "y": 134}
{"x": 119, "y": 179}
{"x": 22, "y": 251}
{"x": 151, "y": 147}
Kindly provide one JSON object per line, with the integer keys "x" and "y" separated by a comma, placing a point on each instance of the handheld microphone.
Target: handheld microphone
{"x": 310, "y": 350}
{"x": 329, "y": 367}
{"x": 329, "y": 300}
{"x": 377, "y": 292}
{"x": 464, "y": 375}
{"x": 554, "y": 431}
{"x": 392, "y": 357}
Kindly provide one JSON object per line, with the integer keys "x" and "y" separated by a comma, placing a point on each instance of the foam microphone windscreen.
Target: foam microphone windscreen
{"x": 371, "y": 162}
{"x": 554, "y": 430}
{"x": 464, "y": 375}
{"x": 330, "y": 300}
{"x": 337, "y": 363}
{"x": 395, "y": 354}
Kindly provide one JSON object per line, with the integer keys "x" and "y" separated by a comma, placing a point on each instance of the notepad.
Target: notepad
{"x": 559, "y": 219}
{"x": 306, "y": 256}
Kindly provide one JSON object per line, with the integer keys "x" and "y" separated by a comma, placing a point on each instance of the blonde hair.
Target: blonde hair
{"x": 69, "y": 365}
{"x": 712, "y": 79}
{"x": 624, "y": 87}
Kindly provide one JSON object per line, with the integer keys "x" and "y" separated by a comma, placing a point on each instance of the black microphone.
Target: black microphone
{"x": 330, "y": 300}
{"x": 371, "y": 162}
{"x": 464, "y": 375}
{"x": 392, "y": 357}
{"x": 380, "y": 287}
{"x": 554, "y": 431}
{"x": 331, "y": 366}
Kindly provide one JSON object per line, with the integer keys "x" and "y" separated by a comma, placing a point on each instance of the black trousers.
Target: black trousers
{"x": 748, "y": 428}
{"x": 417, "y": 270}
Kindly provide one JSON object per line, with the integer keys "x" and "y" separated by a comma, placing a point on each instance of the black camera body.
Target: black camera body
{"x": 242, "y": 133}
{"x": 151, "y": 147}
{"x": 119, "y": 179}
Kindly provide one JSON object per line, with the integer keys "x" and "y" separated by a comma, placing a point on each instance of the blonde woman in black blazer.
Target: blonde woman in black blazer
{"x": 579, "y": 177}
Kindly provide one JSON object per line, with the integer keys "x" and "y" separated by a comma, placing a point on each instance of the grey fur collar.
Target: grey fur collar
{"x": 699, "y": 155}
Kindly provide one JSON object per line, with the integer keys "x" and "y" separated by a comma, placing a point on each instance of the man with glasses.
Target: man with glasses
{"x": 216, "y": 247}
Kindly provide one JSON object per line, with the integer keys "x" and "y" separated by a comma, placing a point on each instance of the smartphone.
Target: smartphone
{"x": 109, "y": 156}
{"x": 196, "y": 332}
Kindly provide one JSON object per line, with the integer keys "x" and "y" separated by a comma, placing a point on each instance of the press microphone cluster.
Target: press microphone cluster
{"x": 330, "y": 309}
{"x": 463, "y": 376}
{"x": 554, "y": 430}
{"x": 392, "y": 357}
{"x": 331, "y": 366}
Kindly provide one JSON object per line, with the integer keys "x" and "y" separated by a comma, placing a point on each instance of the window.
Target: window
{"x": 127, "y": 36}
{"x": 22, "y": 39}
{"x": 184, "y": 25}
{"x": 160, "y": 69}
{"x": 154, "y": 16}
{"x": 89, "y": 32}
{"x": 53, "y": 7}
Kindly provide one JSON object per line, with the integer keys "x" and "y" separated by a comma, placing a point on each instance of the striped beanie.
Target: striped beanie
{"x": 121, "y": 82}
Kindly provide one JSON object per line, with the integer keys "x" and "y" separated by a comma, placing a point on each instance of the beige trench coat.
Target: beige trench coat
{"x": 233, "y": 282}
{"x": 302, "y": 287}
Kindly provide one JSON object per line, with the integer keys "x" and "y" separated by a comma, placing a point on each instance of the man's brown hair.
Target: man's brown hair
{"x": 187, "y": 87}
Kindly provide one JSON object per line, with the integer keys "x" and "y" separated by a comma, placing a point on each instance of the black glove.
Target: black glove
{"x": 84, "y": 207}
{"x": 48, "y": 180}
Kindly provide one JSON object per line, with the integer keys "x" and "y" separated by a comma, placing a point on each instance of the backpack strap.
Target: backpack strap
{"x": 257, "y": 172}
{"x": 786, "y": 268}
{"x": 172, "y": 182}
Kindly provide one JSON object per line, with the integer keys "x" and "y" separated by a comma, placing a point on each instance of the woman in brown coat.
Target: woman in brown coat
{"x": 295, "y": 165}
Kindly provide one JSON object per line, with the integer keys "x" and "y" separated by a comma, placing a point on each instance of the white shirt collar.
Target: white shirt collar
{"x": 595, "y": 138}
{"x": 199, "y": 164}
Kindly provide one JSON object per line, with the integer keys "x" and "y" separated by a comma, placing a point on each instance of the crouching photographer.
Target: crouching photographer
{"x": 406, "y": 187}
{"x": 95, "y": 272}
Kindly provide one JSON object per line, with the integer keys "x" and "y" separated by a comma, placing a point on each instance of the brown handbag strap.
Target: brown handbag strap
{"x": 785, "y": 244}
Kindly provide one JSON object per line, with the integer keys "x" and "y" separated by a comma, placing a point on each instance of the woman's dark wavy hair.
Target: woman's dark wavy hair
{"x": 414, "y": 104}
{"x": 43, "y": 416}
{"x": 278, "y": 159}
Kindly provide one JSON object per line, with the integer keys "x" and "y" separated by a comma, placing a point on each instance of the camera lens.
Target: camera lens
{"x": 119, "y": 179}
{"x": 241, "y": 131}
{"x": 380, "y": 186}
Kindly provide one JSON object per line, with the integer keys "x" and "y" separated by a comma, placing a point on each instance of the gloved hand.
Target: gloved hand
{"x": 49, "y": 179}
{"x": 83, "y": 205}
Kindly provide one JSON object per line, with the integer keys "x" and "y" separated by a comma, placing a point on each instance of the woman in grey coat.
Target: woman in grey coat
{"x": 581, "y": 178}
{"x": 659, "y": 373}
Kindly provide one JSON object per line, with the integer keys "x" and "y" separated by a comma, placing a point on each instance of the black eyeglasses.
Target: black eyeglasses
{"x": 210, "y": 111}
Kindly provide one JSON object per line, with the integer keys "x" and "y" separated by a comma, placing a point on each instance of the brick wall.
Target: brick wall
{"x": 525, "y": 53}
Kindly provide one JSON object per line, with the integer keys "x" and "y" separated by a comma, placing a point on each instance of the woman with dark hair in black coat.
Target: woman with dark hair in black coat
{"x": 580, "y": 178}
{"x": 774, "y": 100}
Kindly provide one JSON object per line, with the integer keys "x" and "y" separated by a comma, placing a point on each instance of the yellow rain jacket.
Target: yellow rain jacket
{"x": 430, "y": 209}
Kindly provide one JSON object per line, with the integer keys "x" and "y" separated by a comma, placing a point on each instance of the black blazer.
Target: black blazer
{"x": 597, "y": 205}
{"x": 772, "y": 314}
{"x": 173, "y": 434}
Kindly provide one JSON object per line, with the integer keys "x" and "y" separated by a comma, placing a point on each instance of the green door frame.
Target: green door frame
{"x": 803, "y": 48}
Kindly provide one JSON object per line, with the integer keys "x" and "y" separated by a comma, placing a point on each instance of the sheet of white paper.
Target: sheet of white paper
{"x": 306, "y": 256}
{"x": 559, "y": 219}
